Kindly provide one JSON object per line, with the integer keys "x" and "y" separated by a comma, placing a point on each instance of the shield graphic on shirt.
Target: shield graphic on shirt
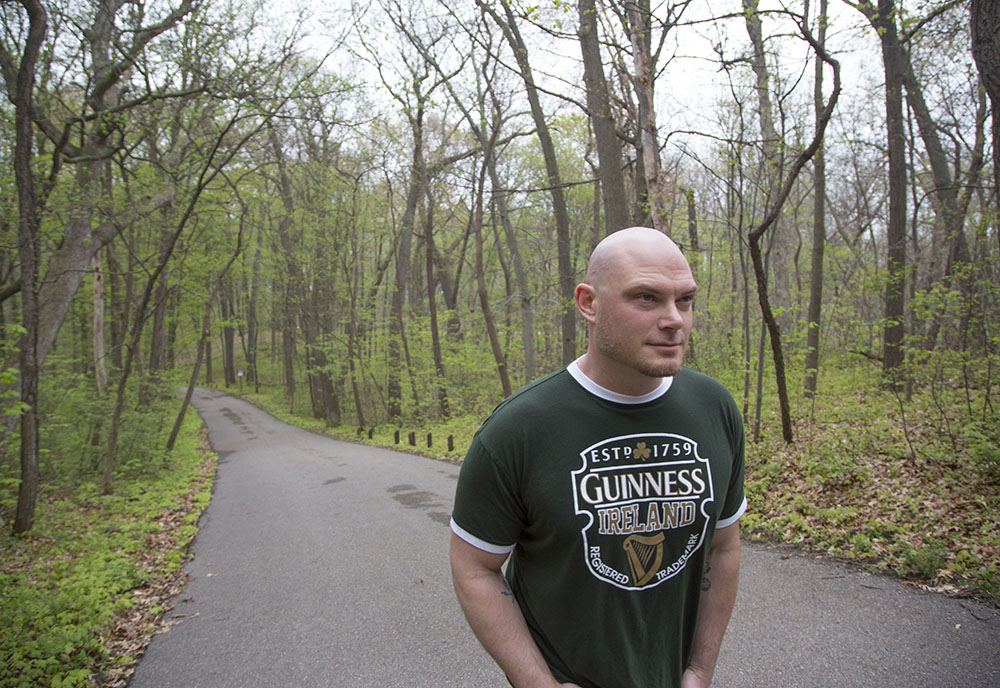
{"x": 646, "y": 497}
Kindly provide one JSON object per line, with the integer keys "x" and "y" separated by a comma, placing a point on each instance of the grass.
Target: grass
{"x": 83, "y": 590}
{"x": 459, "y": 428}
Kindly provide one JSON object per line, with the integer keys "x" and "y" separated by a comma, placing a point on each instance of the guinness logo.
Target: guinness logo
{"x": 645, "y": 497}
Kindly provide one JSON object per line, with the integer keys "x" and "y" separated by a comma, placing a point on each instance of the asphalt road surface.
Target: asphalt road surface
{"x": 324, "y": 563}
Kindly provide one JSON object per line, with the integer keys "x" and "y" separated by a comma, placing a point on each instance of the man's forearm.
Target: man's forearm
{"x": 499, "y": 625}
{"x": 717, "y": 600}
{"x": 496, "y": 619}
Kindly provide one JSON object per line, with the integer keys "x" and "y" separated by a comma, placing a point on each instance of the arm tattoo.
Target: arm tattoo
{"x": 507, "y": 592}
{"x": 706, "y": 583}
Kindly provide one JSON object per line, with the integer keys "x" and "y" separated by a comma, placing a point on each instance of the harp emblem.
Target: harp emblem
{"x": 645, "y": 554}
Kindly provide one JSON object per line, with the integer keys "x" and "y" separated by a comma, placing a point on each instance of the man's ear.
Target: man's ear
{"x": 585, "y": 296}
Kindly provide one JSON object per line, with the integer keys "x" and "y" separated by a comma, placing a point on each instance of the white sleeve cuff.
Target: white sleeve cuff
{"x": 724, "y": 523}
{"x": 478, "y": 542}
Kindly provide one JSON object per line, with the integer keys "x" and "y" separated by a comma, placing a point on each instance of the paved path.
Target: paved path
{"x": 323, "y": 563}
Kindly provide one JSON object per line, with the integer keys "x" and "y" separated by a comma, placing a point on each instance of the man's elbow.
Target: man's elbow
{"x": 726, "y": 542}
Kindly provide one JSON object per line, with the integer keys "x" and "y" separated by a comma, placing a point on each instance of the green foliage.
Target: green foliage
{"x": 72, "y": 576}
{"x": 983, "y": 442}
{"x": 461, "y": 428}
{"x": 10, "y": 404}
{"x": 76, "y": 424}
{"x": 909, "y": 493}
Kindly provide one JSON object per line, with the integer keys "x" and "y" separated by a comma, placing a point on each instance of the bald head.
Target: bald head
{"x": 638, "y": 303}
{"x": 624, "y": 246}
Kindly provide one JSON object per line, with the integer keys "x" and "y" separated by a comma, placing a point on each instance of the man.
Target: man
{"x": 614, "y": 486}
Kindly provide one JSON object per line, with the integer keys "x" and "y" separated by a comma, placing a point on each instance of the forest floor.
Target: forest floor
{"x": 85, "y": 589}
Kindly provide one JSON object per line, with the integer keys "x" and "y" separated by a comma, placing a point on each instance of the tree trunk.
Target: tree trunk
{"x": 484, "y": 299}
{"x": 326, "y": 402}
{"x": 158, "y": 333}
{"x": 403, "y": 248}
{"x": 567, "y": 281}
{"x": 609, "y": 154}
{"x": 354, "y": 328}
{"x": 884, "y": 21}
{"x": 228, "y": 337}
{"x": 442, "y": 383}
{"x": 29, "y": 252}
{"x": 819, "y": 226}
{"x": 692, "y": 213}
{"x": 288, "y": 351}
{"x": 100, "y": 367}
{"x": 97, "y": 346}
{"x": 639, "y": 33}
{"x": 118, "y": 288}
{"x": 252, "y": 325}
{"x": 772, "y": 163}
{"x": 450, "y": 285}
{"x": 206, "y": 323}
{"x": 985, "y": 25}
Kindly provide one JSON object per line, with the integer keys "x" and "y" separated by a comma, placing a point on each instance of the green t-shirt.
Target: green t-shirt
{"x": 609, "y": 504}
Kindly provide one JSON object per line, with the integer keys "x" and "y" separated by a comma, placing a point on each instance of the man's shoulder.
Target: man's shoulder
{"x": 708, "y": 398}
{"x": 539, "y": 394}
{"x": 691, "y": 379}
{"x": 705, "y": 393}
{"x": 526, "y": 412}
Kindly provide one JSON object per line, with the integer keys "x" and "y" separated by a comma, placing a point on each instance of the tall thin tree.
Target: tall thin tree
{"x": 20, "y": 89}
{"x": 819, "y": 222}
{"x": 883, "y": 19}
{"x": 609, "y": 152}
{"x": 511, "y": 32}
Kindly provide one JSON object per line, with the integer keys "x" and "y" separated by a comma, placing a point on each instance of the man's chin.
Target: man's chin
{"x": 663, "y": 369}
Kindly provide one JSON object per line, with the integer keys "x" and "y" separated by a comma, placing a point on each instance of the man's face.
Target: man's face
{"x": 641, "y": 318}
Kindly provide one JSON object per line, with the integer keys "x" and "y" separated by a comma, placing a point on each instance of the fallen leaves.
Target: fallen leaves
{"x": 851, "y": 488}
{"x": 135, "y": 627}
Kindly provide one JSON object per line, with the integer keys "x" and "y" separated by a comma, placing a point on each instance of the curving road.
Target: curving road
{"x": 324, "y": 563}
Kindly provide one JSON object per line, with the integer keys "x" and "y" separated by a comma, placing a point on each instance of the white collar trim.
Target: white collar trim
{"x": 604, "y": 393}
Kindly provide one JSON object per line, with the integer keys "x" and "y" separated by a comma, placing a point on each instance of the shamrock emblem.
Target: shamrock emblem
{"x": 641, "y": 451}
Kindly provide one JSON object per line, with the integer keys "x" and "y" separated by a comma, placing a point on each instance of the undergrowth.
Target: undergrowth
{"x": 94, "y": 568}
{"x": 899, "y": 495}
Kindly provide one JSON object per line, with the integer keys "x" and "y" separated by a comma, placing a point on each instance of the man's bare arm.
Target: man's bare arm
{"x": 718, "y": 596}
{"x": 494, "y": 616}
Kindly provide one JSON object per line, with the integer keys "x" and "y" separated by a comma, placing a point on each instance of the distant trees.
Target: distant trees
{"x": 146, "y": 112}
{"x": 395, "y": 234}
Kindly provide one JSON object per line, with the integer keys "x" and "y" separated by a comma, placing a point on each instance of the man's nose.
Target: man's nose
{"x": 670, "y": 317}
